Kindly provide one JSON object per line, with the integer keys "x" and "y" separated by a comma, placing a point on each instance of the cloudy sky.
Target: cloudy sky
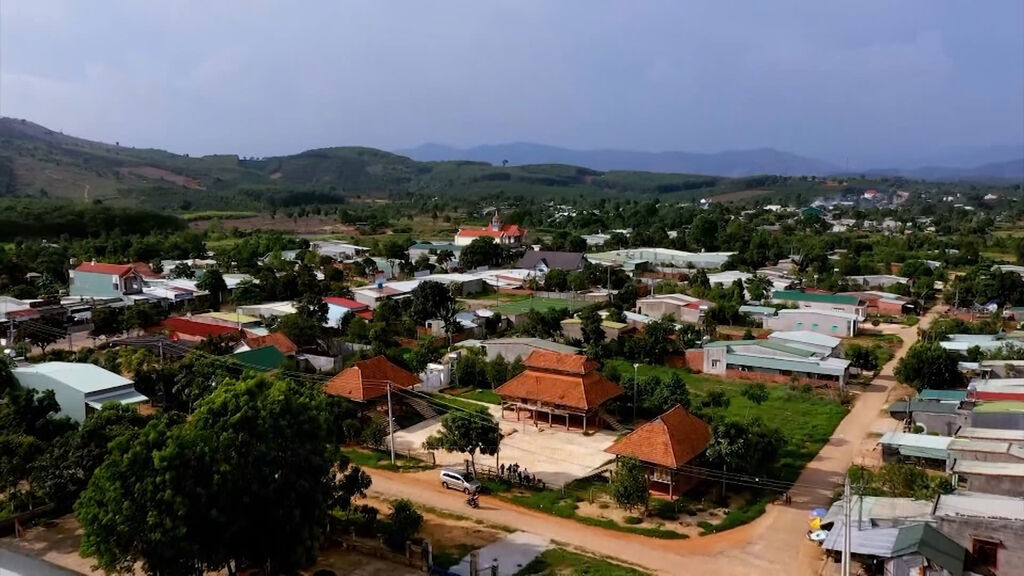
{"x": 837, "y": 80}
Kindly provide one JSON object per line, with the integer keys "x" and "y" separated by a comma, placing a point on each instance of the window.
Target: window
{"x": 799, "y": 325}
{"x": 986, "y": 552}
{"x": 834, "y": 328}
{"x": 714, "y": 363}
{"x": 814, "y": 326}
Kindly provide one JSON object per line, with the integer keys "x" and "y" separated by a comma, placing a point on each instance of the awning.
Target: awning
{"x": 124, "y": 397}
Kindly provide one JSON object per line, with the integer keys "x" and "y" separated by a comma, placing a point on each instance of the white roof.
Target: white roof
{"x": 806, "y": 337}
{"x": 979, "y": 468}
{"x": 728, "y": 277}
{"x": 893, "y": 438}
{"x": 829, "y": 313}
{"x": 991, "y": 434}
{"x": 86, "y": 378}
{"x": 979, "y": 505}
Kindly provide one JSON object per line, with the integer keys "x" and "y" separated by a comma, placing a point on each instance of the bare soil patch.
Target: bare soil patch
{"x": 154, "y": 173}
{"x": 740, "y": 195}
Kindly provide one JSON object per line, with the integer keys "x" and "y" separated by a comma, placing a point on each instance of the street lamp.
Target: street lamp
{"x": 636, "y": 384}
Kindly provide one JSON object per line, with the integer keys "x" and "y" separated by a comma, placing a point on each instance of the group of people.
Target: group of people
{"x": 514, "y": 473}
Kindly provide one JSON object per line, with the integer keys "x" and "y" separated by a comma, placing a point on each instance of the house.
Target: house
{"x": 1003, "y": 414}
{"x": 757, "y": 313}
{"x": 504, "y": 234}
{"x": 276, "y": 339}
{"x": 9, "y": 305}
{"x": 985, "y": 450}
{"x": 368, "y": 381}
{"x": 80, "y": 389}
{"x": 339, "y": 251}
{"x": 987, "y": 525}
{"x": 884, "y": 303}
{"x": 1005, "y": 478}
{"x": 932, "y": 417}
{"x": 100, "y": 280}
{"x": 659, "y": 258}
{"x": 181, "y": 328}
{"x": 268, "y": 309}
{"x": 769, "y": 361}
{"x": 573, "y": 329}
{"x": 666, "y": 444}
{"x": 431, "y": 249}
{"x": 512, "y": 348}
{"x": 961, "y": 343}
{"x": 880, "y": 511}
{"x": 541, "y": 261}
{"x": 839, "y": 324}
{"x": 338, "y": 307}
{"x": 996, "y": 389}
{"x": 812, "y": 341}
{"x": 822, "y": 302}
{"x": 880, "y": 280}
{"x": 230, "y": 319}
{"x": 565, "y": 386}
{"x": 682, "y": 307}
{"x": 266, "y": 358}
{"x": 913, "y": 549}
{"x": 901, "y": 446}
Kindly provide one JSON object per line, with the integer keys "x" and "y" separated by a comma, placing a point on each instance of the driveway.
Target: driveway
{"x": 556, "y": 455}
{"x": 771, "y": 545}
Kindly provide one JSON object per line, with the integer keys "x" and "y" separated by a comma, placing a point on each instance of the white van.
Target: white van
{"x": 459, "y": 480}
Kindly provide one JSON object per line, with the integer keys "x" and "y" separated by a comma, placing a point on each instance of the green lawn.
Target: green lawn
{"x": 564, "y": 504}
{"x": 539, "y": 304}
{"x": 485, "y": 395}
{"x": 382, "y": 460}
{"x": 561, "y": 562}
{"x": 444, "y": 403}
{"x": 805, "y": 420}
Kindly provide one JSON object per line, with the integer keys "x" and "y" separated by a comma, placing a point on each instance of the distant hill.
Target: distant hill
{"x": 1009, "y": 171}
{"x": 731, "y": 163}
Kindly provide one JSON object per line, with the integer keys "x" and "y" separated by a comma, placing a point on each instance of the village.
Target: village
{"x": 648, "y": 397}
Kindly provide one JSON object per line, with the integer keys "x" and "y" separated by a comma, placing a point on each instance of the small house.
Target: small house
{"x": 79, "y": 388}
{"x": 100, "y": 280}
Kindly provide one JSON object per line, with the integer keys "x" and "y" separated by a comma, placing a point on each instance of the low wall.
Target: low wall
{"x": 734, "y": 374}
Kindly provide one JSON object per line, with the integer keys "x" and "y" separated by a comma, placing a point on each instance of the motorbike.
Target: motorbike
{"x": 473, "y": 500}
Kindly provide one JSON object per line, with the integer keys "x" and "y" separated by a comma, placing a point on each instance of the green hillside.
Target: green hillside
{"x": 38, "y": 162}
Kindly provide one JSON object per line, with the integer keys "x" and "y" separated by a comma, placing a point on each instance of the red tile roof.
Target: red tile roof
{"x": 364, "y": 314}
{"x": 367, "y": 379}
{"x": 145, "y": 270}
{"x": 670, "y": 440}
{"x": 512, "y": 230}
{"x": 193, "y": 328}
{"x": 275, "y": 339}
{"x": 102, "y": 268}
{"x": 548, "y": 360}
{"x": 567, "y": 380}
{"x": 345, "y": 303}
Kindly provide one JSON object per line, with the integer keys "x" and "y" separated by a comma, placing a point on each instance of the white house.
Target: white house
{"x": 79, "y": 388}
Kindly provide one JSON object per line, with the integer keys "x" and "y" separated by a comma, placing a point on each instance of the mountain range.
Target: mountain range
{"x": 992, "y": 163}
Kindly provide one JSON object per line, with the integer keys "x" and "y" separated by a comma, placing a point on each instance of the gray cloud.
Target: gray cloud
{"x": 867, "y": 80}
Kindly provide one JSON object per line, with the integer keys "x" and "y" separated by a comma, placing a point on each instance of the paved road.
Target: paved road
{"x": 773, "y": 544}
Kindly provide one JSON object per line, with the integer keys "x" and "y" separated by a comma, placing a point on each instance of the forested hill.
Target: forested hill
{"x": 38, "y": 162}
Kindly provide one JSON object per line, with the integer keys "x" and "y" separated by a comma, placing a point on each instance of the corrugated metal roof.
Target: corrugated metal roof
{"x": 806, "y": 337}
{"x": 86, "y": 378}
{"x": 992, "y": 434}
{"x": 1000, "y": 406}
{"x": 762, "y": 310}
{"x": 869, "y": 542}
{"x": 807, "y": 367}
{"x": 933, "y": 545}
{"x": 881, "y": 508}
{"x": 975, "y": 445}
{"x": 942, "y": 395}
{"x": 918, "y": 445}
{"x": 925, "y": 406}
{"x": 815, "y": 297}
{"x": 1011, "y": 469}
{"x": 964, "y": 504}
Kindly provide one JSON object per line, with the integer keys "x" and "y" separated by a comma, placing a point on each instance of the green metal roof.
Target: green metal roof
{"x": 942, "y": 395}
{"x": 266, "y": 358}
{"x": 815, "y": 297}
{"x": 831, "y": 366}
{"x": 933, "y": 545}
{"x": 925, "y": 406}
{"x": 763, "y": 310}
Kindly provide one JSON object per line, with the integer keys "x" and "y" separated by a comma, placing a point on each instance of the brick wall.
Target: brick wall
{"x": 733, "y": 374}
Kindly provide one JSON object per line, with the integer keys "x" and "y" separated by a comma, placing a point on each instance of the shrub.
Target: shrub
{"x": 403, "y": 523}
{"x": 666, "y": 510}
{"x": 633, "y": 520}
{"x": 374, "y": 434}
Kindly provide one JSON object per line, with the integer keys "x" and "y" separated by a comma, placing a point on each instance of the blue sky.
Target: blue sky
{"x": 862, "y": 81}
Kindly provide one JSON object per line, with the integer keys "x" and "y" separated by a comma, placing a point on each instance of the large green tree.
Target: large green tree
{"x": 929, "y": 365}
{"x": 467, "y": 432}
{"x": 629, "y": 485}
{"x": 248, "y": 480}
{"x": 482, "y": 251}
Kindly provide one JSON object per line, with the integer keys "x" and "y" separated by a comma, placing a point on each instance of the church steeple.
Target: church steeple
{"x": 496, "y": 221}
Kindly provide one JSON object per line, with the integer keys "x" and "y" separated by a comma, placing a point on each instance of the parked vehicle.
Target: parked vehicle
{"x": 459, "y": 480}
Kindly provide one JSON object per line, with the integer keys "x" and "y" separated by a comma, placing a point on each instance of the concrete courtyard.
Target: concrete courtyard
{"x": 556, "y": 455}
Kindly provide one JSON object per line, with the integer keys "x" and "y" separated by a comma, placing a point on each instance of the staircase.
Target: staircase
{"x": 612, "y": 422}
{"x": 422, "y": 407}
{"x": 382, "y": 417}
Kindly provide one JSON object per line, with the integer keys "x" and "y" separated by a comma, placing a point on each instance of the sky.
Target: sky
{"x": 861, "y": 80}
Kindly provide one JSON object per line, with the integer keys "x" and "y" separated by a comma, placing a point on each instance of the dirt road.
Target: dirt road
{"x": 771, "y": 545}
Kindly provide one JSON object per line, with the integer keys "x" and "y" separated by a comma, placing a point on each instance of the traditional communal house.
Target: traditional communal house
{"x": 563, "y": 386}
{"x": 503, "y": 234}
{"x": 666, "y": 444}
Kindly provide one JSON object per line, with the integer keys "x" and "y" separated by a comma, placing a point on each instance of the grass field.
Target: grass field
{"x": 539, "y": 304}
{"x": 221, "y": 214}
{"x": 377, "y": 459}
{"x": 486, "y": 396}
{"x": 562, "y": 562}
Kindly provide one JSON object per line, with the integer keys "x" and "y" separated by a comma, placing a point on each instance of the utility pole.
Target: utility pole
{"x": 636, "y": 384}
{"x": 846, "y": 527}
{"x": 391, "y": 426}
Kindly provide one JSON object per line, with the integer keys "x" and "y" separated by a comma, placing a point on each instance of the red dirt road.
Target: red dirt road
{"x": 772, "y": 545}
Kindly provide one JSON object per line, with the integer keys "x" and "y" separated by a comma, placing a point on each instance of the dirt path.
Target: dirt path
{"x": 771, "y": 545}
